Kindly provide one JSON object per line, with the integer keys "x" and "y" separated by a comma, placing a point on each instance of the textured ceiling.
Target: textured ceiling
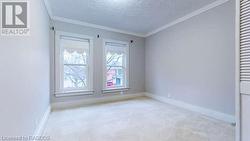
{"x": 139, "y": 16}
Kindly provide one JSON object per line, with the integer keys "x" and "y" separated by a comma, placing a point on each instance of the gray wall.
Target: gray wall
{"x": 24, "y": 67}
{"x": 193, "y": 61}
{"x": 137, "y": 58}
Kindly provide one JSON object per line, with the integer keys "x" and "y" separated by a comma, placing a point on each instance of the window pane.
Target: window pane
{"x": 75, "y": 76}
{"x": 114, "y": 59}
{"x": 115, "y": 77}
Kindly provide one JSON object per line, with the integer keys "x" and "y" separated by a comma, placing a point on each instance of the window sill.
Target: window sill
{"x": 104, "y": 91}
{"x": 73, "y": 93}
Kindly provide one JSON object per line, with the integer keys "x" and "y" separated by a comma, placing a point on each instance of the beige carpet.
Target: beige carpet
{"x": 140, "y": 119}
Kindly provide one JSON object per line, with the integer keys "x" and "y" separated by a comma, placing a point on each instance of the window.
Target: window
{"x": 74, "y": 71}
{"x": 116, "y": 62}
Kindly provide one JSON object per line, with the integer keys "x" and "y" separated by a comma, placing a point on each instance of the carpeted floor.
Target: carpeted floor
{"x": 139, "y": 119}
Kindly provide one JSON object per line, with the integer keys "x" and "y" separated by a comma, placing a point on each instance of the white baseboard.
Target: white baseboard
{"x": 93, "y": 100}
{"x": 40, "y": 128}
{"x": 204, "y": 111}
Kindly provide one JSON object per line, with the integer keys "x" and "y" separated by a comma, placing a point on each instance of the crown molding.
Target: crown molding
{"x": 77, "y": 22}
{"x": 182, "y": 19}
{"x": 188, "y": 16}
{"x": 48, "y": 7}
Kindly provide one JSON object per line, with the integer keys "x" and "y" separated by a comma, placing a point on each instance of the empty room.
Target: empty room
{"x": 125, "y": 70}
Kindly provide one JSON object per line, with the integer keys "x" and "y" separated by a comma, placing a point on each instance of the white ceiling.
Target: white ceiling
{"x": 137, "y": 16}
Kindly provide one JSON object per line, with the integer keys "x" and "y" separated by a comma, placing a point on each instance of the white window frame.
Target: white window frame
{"x": 126, "y": 84}
{"x": 59, "y": 71}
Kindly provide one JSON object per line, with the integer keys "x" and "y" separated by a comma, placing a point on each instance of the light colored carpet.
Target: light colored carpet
{"x": 140, "y": 119}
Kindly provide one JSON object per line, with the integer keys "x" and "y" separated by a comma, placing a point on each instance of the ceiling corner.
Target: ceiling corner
{"x": 48, "y": 7}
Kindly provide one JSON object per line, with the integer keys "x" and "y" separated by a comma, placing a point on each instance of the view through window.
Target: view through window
{"x": 116, "y": 64}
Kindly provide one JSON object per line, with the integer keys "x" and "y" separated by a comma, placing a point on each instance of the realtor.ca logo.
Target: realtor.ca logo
{"x": 14, "y": 17}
